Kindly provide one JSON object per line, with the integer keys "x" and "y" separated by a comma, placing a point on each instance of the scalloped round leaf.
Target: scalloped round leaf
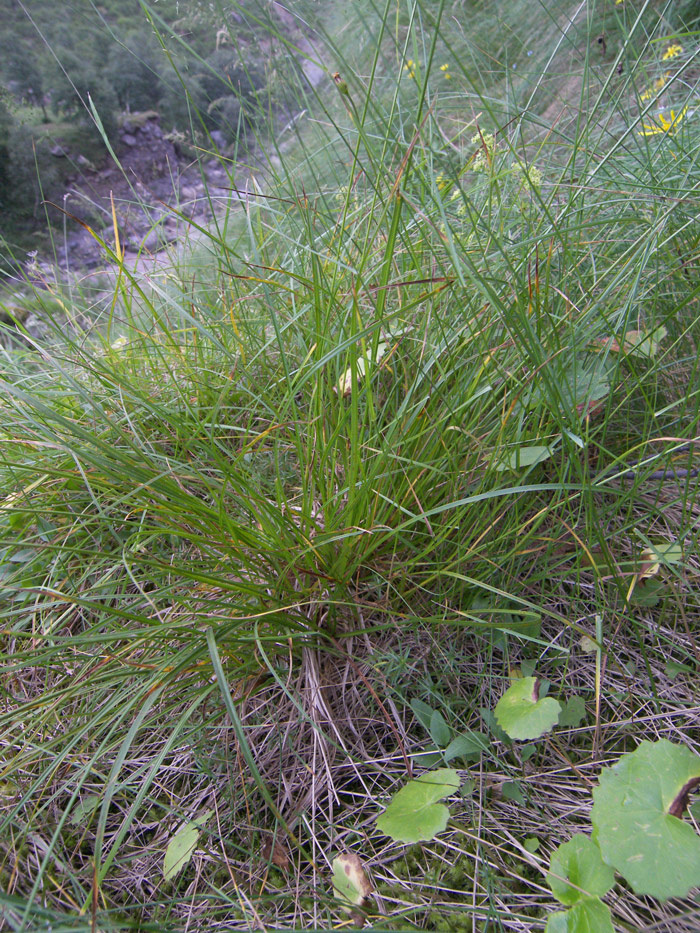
{"x": 577, "y": 869}
{"x": 522, "y": 714}
{"x": 590, "y": 915}
{"x": 636, "y": 818}
{"x": 414, "y": 814}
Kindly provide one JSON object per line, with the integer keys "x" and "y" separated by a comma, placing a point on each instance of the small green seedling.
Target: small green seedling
{"x": 414, "y": 813}
{"x": 577, "y": 869}
{"x": 637, "y": 831}
{"x": 468, "y": 745}
{"x": 590, "y": 915}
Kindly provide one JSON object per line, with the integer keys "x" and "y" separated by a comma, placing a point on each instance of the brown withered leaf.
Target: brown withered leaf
{"x": 272, "y": 851}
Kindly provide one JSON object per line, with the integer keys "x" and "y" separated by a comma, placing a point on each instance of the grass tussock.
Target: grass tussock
{"x": 401, "y": 422}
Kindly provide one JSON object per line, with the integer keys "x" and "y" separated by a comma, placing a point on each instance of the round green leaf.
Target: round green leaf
{"x": 573, "y": 713}
{"x": 577, "y": 867}
{"x": 636, "y": 810}
{"x": 182, "y": 845}
{"x": 590, "y": 915}
{"x": 414, "y": 814}
{"x": 522, "y": 714}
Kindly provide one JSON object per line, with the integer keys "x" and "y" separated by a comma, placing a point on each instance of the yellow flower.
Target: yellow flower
{"x": 410, "y": 68}
{"x": 668, "y": 125}
{"x": 656, "y": 86}
{"x": 443, "y": 69}
{"x": 673, "y": 51}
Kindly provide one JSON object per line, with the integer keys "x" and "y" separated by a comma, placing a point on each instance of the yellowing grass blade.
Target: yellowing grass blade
{"x": 117, "y": 244}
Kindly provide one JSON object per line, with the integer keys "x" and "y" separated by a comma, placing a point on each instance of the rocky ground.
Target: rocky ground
{"x": 161, "y": 193}
{"x": 158, "y": 192}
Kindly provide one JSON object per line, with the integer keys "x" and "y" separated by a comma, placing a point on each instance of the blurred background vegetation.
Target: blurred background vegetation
{"x": 204, "y": 68}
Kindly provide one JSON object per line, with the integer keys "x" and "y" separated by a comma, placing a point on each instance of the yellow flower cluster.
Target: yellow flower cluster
{"x": 532, "y": 176}
{"x": 484, "y": 158}
{"x": 665, "y": 124}
{"x": 444, "y": 69}
{"x": 673, "y": 51}
{"x": 410, "y": 68}
{"x": 462, "y": 208}
{"x": 656, "y": 87}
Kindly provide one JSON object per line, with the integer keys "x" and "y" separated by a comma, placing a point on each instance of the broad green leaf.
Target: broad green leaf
{"x": 660, "y": 555}
{"x": 577, "y": 869}
{"x": 490, "y": 721}
{"x": 414, "y": 813}
{"x": 350, "y": 883}
{"x": 647, "y": 592}
{"x": 581, "y": 386}
{"x": 468, "y": 745}
{"x": 86, "y": 809}
{"x": 344, "y": 386}
{"x": 181, "y": 846}
{"x": 522, "y": 624}
{"x": 522, "y": 714}
{"x": 422, "y": 712}
{"x": 439, "y": 731}
{"x": 513, "y": 790}
{"x": 636, "y": 818}
{"x": 22, "y": 556}
{"x": 674, "y": 668}
{"x": 643, "y": 342}
{"x": 573, "y": 713}
{"x": 430, "y": 758}
{"x": 639, "y": 342}
{"x": 590, "y": 915}
{"x": 523, "y": 457}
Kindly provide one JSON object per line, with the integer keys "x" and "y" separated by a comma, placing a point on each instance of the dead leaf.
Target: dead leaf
{"x": 273, "y": 852}
{"x": 351, "y": 884}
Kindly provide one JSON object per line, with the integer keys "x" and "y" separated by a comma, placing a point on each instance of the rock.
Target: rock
{"x": 128, "y": 139}
{"x": 58, "y": 151}
{"x": 218, "y": 138}
{"x": 151, "y": 241}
